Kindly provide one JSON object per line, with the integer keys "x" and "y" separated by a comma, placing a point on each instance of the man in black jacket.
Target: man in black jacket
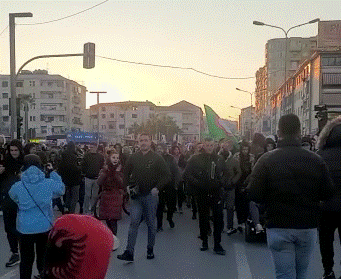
{"x": 167, "y": 196}
{"x": 291, "y": 182}
{"x": 149, "y": 173}
{"x": 208, "y": 174}
{"x": 92, "y": 163}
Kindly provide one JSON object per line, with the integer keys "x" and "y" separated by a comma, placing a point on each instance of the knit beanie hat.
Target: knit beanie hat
{"x": 79, "y": 247}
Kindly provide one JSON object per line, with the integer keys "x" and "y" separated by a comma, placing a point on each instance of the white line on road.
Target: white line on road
{"x": 242, "y": 264}
{"x": 14, "y": 274}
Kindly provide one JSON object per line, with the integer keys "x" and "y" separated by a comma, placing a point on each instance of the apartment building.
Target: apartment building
{"x": 117, "y": 119}
{"x": 316, "y": 82}
{"x": 247, "y": 120}
{"x": 188, "y": 117}
{"x": 55, "y": 104}
{"x": 281, "y": 62}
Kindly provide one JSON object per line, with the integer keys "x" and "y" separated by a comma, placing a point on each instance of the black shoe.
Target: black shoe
{"x": 13, "y": 260}
{"x": 150, "y": 254}
{"x": 219, "y": 250}
{"x": 126, "y": 256}
{"x": 171, "y": 223}
{"x": 159, "y": 229}
{"x": 204, "y": 246}
{"x": 329, "y": 275}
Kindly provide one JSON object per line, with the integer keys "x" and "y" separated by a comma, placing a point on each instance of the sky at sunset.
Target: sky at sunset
{"x": 215, "y": 37}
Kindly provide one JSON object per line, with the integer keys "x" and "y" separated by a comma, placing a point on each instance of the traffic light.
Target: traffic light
{"x": 89, "y": 56}
{"x": 20, "y": 120}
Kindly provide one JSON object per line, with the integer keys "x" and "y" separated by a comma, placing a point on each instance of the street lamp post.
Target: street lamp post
{"x": 251, "y": 117}
{"x": 13, "y": 104}
{"x": 97, "y": 92}
{"x": 259, "y": 23}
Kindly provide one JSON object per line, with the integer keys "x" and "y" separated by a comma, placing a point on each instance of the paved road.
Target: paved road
{"x": 178, "y": 256}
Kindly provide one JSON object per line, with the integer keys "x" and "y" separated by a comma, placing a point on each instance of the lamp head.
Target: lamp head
{"x": 258, "y": 23}
{"x": 314, "y": 20}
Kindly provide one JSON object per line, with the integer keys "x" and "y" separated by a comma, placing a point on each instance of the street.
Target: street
{"x": 177, "y": 255}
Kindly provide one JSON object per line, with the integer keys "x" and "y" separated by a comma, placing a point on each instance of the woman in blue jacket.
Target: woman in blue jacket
{"x": 34, "y": 194}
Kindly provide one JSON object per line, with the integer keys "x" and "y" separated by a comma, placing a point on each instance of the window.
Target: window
{"x": 34, "y": 118}
{"x": 20, "y": 84}
{"x": 5, "y": 118}
{"x": 103, "y": 127}
{"x": 61, "y": 118}
{"x": 5, "y": 83}
{"x": 121, "y": 126}
{"x": 30, "y": 118}
{"x": 5, "y": 95}
{"x": 49, "y": 83}
{"x": 5, "y": 107}
{"x": 103, "y": 108}
{"x": 104, "y": 116}
{"x": 134, "y": 108}
{"x": 122, "y": 115}
{"x": 134, "y": 116}
{"x": 111, "y": 126}
{"x": 50, "y": 118}
{"x": 32, "y": 83}
{"x": 112, "y": 115}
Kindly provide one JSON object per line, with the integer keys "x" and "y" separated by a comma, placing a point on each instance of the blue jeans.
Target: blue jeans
{"x": 146, "y": 207}
{"x": 291, "y": 251}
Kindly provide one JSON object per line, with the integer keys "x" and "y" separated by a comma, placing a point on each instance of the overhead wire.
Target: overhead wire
{"x": 54, "y": 20}
{"x": 172, "y": 67}
{"x": 4, "y": 30}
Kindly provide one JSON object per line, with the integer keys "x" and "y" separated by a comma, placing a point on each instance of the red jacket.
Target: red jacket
{"x": 111, "y": 196}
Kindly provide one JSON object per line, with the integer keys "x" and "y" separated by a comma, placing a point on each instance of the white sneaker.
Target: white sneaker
{"x": 259, "y": 228}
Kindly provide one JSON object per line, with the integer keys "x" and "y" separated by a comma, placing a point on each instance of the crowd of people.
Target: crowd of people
{"x": 295, "y": 181}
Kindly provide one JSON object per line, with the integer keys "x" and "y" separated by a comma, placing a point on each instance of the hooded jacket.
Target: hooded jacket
{"x": 329, "y": 148}
{"x": 33, "y": 183}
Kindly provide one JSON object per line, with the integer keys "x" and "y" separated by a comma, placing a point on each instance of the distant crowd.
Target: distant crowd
{"x": 283, "y": 187}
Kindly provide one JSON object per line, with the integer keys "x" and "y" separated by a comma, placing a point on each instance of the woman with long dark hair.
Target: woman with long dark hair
{"x": 110, "y": 181}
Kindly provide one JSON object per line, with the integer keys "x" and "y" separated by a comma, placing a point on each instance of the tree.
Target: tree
{"x": 157, "y": 126}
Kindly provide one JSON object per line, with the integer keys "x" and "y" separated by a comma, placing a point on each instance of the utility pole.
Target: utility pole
{"x": 97, "y": 92}
{"x": 15, "y": 112}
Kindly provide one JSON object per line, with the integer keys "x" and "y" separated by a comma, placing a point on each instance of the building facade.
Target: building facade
{"x": 116, "y": 120}
{"x": 55, "y": 104}
{"x": 247, "y": 120}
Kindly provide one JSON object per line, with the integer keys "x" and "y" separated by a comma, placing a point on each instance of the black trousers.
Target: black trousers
{"x": 31, "y": 244}
{"x": 166, "y": 198}
{"x": 242, "y": 206}
{"x": 205, "y": 203}
{"x": 181, "y": 194}
{"x": 329, "y": 222}
{"x": 112, "y": 225}
{"x": 10, "y": 218}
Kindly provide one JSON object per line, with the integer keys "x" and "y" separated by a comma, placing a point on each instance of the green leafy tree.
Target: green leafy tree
{"x": 157, "y": 126}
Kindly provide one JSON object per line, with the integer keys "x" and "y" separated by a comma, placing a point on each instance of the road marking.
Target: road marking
{"x": 14, "y": 274}
{"x": 242, "y": 264}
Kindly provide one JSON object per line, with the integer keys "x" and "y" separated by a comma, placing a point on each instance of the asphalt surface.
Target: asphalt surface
{"x": 177, "y": 255}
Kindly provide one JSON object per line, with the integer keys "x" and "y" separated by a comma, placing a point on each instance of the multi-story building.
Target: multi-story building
{"x": 247, "y": 120}
{"x": 282, "y": 58}
{"x": 317, "y": 81}
{"x": 188, "y": 117}
{"x": 116, "y": 120}
{"x": 55, "y": 104}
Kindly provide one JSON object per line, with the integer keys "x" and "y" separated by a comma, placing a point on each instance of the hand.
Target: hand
{"x": 155, "y": 192}
{"x": 2, "y": 169}
{"x": 49, "y": 167}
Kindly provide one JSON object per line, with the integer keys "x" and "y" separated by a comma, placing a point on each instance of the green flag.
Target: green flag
{"x": 217, "y": 128}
